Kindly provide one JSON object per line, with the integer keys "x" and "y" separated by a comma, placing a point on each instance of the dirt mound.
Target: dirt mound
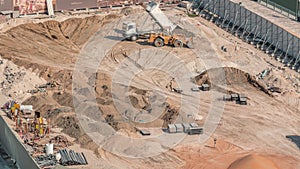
{"x": 229, "y": 77}
{"x": 138, "y": 98}
{"x": 51, "y": 41}
{"x": 41, "y": 102}
{"x": 253, "y": 162}
{"x": 63, "y": 98}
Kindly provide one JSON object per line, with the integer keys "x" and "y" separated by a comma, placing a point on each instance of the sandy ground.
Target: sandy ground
{"x": 247, "y": 136}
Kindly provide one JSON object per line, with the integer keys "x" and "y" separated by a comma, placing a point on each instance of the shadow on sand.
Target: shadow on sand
{"x": 295, "y": 139}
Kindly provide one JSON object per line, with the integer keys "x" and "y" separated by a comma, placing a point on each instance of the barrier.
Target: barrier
{"x": 14, "y": 148}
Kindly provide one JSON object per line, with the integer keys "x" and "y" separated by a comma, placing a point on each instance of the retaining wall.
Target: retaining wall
{"x": 14, "y": 148}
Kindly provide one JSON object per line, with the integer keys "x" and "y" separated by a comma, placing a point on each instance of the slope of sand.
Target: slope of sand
{"x": 253, "y": 161}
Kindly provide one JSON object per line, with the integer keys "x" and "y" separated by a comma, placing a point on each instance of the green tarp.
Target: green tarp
{"x": 292, "y": 5}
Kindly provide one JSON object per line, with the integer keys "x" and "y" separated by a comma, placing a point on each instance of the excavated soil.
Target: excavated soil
{"x": 225, "y": 78}
{"x": 50, "y": 49}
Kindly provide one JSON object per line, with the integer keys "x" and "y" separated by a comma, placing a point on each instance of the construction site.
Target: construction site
{"x": 204, "y": 84}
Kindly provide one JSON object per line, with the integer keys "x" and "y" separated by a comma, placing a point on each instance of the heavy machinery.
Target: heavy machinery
{"x": 165, "y": 36}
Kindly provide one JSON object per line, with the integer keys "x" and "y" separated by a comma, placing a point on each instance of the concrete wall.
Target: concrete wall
{"x": 239, "y": 16}
{"x": 75, "y": 4}
{"x": 6, "y": 5}
{"x": 14, "y": 148}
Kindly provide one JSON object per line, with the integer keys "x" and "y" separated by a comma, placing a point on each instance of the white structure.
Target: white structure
{"x": 172, "y": 128}
{"x": 186, "y": 127}
{"x": 50, "y": 8}
{"x": 179, "y": 128}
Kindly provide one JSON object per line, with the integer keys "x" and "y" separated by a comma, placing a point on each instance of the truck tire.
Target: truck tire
{"x": 178, "y": 43}
{"x": 133, "y": 38}
{"x": 158, "y": 42}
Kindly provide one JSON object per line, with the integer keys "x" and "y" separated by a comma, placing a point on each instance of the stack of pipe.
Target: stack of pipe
{"x": 72, "y": 158}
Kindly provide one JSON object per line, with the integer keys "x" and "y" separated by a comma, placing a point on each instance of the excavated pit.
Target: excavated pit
{"x": 52, "y": 55}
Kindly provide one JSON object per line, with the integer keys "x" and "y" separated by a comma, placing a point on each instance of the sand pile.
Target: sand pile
{"x": 253, "y": 161}
{"x": 54, "y": 42}
{"x": 229, "y": 77}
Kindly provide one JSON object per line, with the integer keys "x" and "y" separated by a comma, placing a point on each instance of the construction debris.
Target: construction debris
{"x": 11, "y": 76}
{"x": 60, "y": 141}
{"x": 264, "y": 73}
{"x": 275, "y": 89}
{"x": 63, "y": 157}
{"x": 46, "y": 160}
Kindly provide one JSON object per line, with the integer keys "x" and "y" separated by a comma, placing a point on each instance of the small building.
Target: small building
{"x": 186, "y": 127}
{"x": 242, "y": 96}
{"x": 234, "y": 97}
{"x": 179, "y": 128}
{"x": 145, "y": 132}
{"x": 171, "y": 128}
{"x": 195, "y": 130}
{"x": 195, "y": 89}
{"x": 243, "y": 101}
{"x": 205, "y": 87}
{"x": 227, "y": 97}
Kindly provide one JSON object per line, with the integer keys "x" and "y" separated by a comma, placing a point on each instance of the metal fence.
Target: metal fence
{"x": 254, "y": 29}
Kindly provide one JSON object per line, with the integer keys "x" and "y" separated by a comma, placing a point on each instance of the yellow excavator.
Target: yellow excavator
{"x": 165, "y": 37}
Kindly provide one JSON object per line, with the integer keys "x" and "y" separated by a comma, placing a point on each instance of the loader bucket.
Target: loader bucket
{"x": 190, "y": 43}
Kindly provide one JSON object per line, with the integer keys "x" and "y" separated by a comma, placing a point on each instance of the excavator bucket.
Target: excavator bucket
{"x": 189, "y": 43}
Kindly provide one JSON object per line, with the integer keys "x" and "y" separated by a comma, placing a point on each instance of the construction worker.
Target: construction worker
{"x": 215, "y": 142}
{"x": 171, "y": 84}
{"x": 40, "y": 121}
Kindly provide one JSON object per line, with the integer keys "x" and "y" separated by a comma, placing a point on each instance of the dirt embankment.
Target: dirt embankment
{"x": 229, "y": 79}
{"x": 50, "y": 50}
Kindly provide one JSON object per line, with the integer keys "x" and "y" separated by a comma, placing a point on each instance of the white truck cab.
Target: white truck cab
{"x": 130, "y": 30}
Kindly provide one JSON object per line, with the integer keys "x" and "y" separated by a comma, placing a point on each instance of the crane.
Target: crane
{"x": 166, "y": 36}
